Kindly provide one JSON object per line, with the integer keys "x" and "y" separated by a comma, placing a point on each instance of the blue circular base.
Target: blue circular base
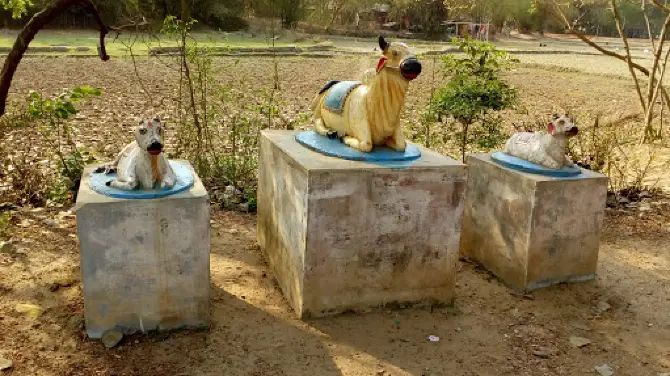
{"x": 185, "y": 181}
{"x": 524, "y": 166}
{"x": 337, "y": 149}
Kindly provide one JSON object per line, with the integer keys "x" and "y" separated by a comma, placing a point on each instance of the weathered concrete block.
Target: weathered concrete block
{"x": 144, "y": 263}
{"x": 343, "y": 235}
{"x": 532, "y": 231}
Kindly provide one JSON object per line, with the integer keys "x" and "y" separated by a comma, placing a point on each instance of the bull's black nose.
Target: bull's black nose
{"x": 411, "y": 66}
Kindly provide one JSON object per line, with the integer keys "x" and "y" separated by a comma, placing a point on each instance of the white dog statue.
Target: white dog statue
{"x": 142, "y": 163}
{"x": 545, "y": 149}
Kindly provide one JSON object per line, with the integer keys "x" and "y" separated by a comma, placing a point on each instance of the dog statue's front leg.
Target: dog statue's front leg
{"x": 169, "y": 177}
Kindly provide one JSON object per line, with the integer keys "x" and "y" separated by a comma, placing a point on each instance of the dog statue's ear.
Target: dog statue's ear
{"x": 383, "y": 44}
{"x": 551, "y": 129}
{"x": 555, "y": 116}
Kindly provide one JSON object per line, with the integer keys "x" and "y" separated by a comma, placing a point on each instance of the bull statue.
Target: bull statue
{"x": 544, "y": 149}
{"x": 367, "y": 114}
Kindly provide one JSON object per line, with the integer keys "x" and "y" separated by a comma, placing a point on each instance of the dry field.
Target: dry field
{"x": 489, "y": 331}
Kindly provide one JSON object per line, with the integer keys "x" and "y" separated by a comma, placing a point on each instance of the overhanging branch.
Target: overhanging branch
{"x": 27, "y": 34}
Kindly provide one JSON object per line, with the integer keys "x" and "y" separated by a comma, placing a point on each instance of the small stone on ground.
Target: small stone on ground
{"x": 581, "y": 326}
{"x": 7, "y": 247}
{"x": 31, "y": 310}
{"x": 111, "y": 338}
{"x": 604, "y": 370}
{"x": 603, "y": 306}
{"x": 579, "y": 341}
{"x": 542, "y": 352}
{"x": 5, "y": 364}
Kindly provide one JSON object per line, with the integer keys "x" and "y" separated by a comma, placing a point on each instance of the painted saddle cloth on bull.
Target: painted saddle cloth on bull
{"x": 337, "y": 96}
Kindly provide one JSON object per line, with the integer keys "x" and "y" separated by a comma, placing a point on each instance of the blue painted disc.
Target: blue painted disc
{"x": 524, "y": 166}
{"x": 185, "y": 181}
{"x": 335, "y": 148}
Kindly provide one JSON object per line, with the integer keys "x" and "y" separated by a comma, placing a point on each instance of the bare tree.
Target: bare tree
{"x": 649, "y": 96}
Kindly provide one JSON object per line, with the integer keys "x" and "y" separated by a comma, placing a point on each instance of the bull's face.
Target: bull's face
{"x": 399, "y": 56}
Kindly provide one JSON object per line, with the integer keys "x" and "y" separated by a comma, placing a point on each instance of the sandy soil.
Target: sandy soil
{"x": 489, "y": 331}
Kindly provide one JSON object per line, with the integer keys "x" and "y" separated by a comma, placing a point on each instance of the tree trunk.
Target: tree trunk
{"x": 185, "y": 11}
{"x": 27, "y": 34}
{"x": 464, "y": 141}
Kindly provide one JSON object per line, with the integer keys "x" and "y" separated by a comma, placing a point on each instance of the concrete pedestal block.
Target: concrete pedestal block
{"x": 144, "y": 262}
{"x": 350, "y": 236}
{"x": 532, "y": 231}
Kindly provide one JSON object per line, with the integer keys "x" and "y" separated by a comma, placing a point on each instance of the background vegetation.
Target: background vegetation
{"x": 425, "y": 17}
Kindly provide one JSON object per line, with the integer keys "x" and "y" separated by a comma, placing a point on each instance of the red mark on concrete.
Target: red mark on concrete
{"x": 407, "y": 182}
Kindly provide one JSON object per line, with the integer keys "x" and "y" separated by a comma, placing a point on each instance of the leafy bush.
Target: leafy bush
{"x": 28, "y": 182}
{"x": 474, "y": 92}
{"x": 217, "y": 131}
{"x": 51, "y": 113}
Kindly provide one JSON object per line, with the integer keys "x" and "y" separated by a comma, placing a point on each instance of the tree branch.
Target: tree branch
{"x": 600, "y": 49}
{"x": 629, "y": 58}
{"x": 646, "y": 20}
{"x": 570, "y": 29}
{"x": 657, "y": 88}
{"x": 661, "y": 6}
{"x": 27, "y": 34}
{"x": 652, "y": 87}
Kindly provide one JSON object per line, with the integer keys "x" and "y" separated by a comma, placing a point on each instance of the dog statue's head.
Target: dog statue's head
{"x": 149, "y": 136}
{"x": 562, "y": 125}
{"x": 399, "y": 56}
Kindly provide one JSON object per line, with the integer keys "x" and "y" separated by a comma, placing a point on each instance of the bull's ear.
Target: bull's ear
{"x": 383, "y": 44}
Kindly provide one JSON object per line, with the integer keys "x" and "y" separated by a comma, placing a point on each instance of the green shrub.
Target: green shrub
{"x": 474, "y": 93}
{"x": 51, "y": 115}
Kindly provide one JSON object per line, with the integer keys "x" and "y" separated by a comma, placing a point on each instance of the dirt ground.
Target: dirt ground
{"x": 489, "y": 331}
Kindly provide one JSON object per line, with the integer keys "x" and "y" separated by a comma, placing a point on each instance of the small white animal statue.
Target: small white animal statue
{"x": 544, "y": 149}
{"x": 142, "y": 163}
{"x": 370, "y": 110}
